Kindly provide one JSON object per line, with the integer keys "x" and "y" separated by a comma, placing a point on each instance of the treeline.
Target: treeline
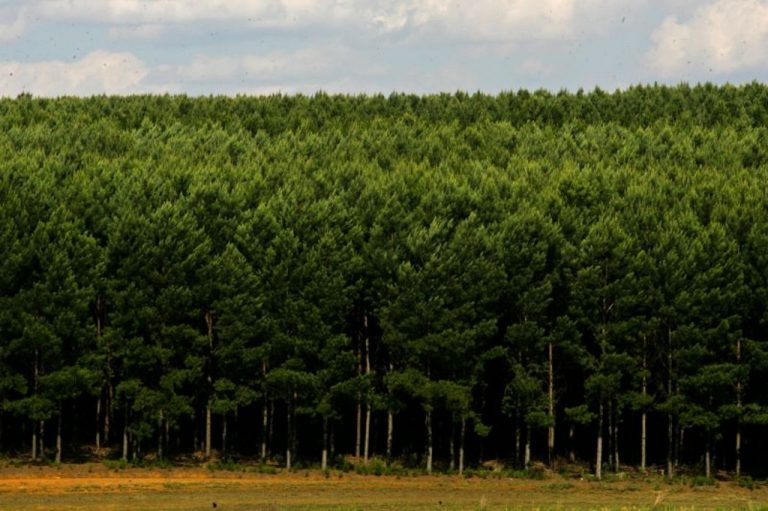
{"x": 438, "y": 279}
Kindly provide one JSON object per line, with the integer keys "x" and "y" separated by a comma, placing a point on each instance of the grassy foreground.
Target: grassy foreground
{"x": 96, "y": 487}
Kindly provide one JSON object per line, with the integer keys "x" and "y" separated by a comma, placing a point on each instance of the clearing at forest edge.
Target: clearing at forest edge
{"x": 94, "y": 486}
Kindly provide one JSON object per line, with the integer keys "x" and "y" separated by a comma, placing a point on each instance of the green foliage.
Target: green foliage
{"x": 166, "y": 256}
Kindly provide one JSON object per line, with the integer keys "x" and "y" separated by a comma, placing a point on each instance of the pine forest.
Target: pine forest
{"x": 436, "y": 281}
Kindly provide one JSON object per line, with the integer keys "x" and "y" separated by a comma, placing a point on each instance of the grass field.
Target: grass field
{"x": 96, "y": 487}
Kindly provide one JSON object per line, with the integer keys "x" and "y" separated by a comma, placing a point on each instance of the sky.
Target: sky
{"x": 202, "y": 47}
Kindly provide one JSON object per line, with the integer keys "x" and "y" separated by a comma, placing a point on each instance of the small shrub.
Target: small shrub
{"x": 229, "y": 466}
{"x": 702, "y": 481}
{"x": 120, "y": 464}
{"x": 746, "y": 482}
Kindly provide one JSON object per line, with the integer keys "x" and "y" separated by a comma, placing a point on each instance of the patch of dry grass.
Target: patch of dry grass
{"x": 95, "y": 487}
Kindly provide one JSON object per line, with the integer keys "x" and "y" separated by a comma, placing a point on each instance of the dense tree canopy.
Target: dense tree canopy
{"x": 440, "y": 279}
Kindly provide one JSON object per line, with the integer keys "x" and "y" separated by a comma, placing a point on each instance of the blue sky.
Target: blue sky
{"x": 84, "y": 47}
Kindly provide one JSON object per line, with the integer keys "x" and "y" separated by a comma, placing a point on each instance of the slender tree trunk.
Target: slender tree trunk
{"x": 264, "y": 432}
{"x": 271, "y": 435}
{"x": 58, "y": 435}
{"x": 167, "y": 436}
{"x": 452, "y": 445}
{"x": 36, "y": 370}
{"x": 609, "y": 440}
{"x": 331, "y": 441}
{"x": 324, "y": 458}
{"x": 599, "y": 454}
{"x": 224, "y": 437}
{"x": 42, "y": 440}
{"x": 738, "y": 408}
{"x": 110, "y": 409}
{"x": 98, "y": 423}
{"x": 208, "y": 425}
{"x": 34, "y": 442}
{"x": 670, "y": 416}
{"x": 264, "y": 416}
{"x": 367, "y": 444}
{"x": 101, "y": 391}
{"x": 518, "y": 441}
{"x": 289, "y": 438}
{"x": 616, "y": 464}
{"x": 551, "y": 409}
{"x": 390, "y": 434}
{"x": 160, "y": 434}
{"x": 462, "y": 433}
{"x": 208, "y": 420}
{"x": 680, "y": 442}
{"x": 644, "y": 416}
{"x": 428, "y": 425}
{"x": 125, "y": 438}
{"x": 358, "y": 416}
{"x": 708, "y": 457}
{"x": 571, "y": 452}
{"x": 527, "y": 461}
{"x": 367, "y": 431}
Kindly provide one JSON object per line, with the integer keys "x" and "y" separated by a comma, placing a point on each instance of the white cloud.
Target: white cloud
{"x": 506, "y": 20}
{"x": 476, "y": 20}
{"x": 725, "y": 36}
{"x": 260, "y": 13}
{"x": 12, "y": 24}
{"x": 142, "y": 31}
{"x": 99, "y": 72}
{"x": 301, "y": 65}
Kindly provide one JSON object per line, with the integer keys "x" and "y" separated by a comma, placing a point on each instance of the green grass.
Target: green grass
{"x": 99, "y": 487}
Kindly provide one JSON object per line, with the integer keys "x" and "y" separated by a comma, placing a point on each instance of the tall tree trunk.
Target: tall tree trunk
{"x": 42, "y": 440}
{"x": 527, "y": 461}
{"x": 58, "y": 435}
{"x": 160, "y": 434}
{"x": 271, "y": 435}
{"x": 599, "y": 454}
{"x": 34, "y": 442}
{"x": 167, "y": 437}
{"x": 738, "y": 408}
{"x": 462, "y": 433}
{"x": 390, "y": 434}
{"x": 616, "y": 464}
{"x": 551, "y": 408}
{"x": 518, "y": 441}
{"x": 208, "y": 420}
{"x": 708, "y": 457}
{"x": 288, "y": 436}
{"x": 428, "y": 425}
{"x": 359, "y": 406}
{"x": 609, "y": 440}
{"x": 101, "y": 391}
{"x": 644, "y": 416}
{"x": 264, "y": 417}
{"x": 324, "y": 458}
{"x": 571, "y": 451}
{"x": 98, "y": 423}
{"x": 125, "y": 435}
{"x": 224, "y": 437}
{"x": 670, "y": 416}
{"x": 110, "y": 409}
{"x": 36, "y": 385}
{"x": 452, "y": 445}
{"x": 331, "y": 441}
{"x": 264, "y": 432}
{"x": 367, "y": 444}
{"x": 208, "y": 425}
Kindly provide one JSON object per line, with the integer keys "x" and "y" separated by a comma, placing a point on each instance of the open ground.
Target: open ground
{"x": 97, "y": 487}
